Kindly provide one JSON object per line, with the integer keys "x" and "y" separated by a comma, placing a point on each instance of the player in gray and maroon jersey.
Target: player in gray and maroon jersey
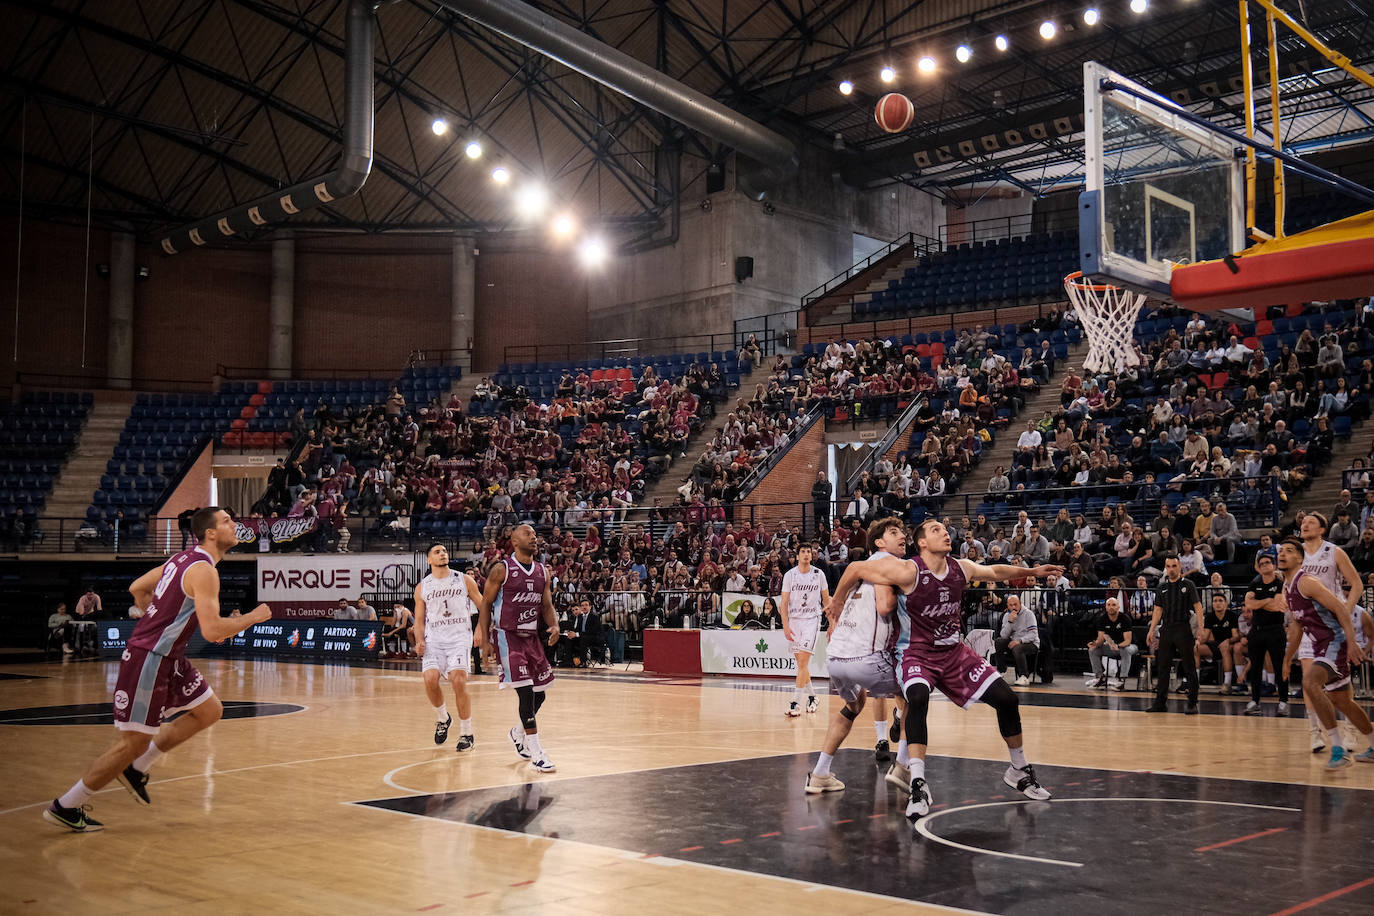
{"x": 155, "y": 678}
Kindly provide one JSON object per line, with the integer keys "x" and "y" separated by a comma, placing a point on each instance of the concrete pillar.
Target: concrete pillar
{"x": 119, "y": 359}
{"x": 463, "y": 296}
{"x": 282, "y": 317}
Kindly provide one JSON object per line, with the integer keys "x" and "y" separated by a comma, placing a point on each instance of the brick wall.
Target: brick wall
{"x": 790, "y": 481}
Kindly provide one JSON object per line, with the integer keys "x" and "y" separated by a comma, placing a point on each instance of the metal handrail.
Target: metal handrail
{"x": 880, "y": 448}
{"x": 618, "y": 347}
{"x": 759, "y": 471}
{"x": 925, "y": 245}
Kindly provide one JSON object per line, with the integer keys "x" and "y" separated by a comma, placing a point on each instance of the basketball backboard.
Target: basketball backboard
{"x": 1159, "y": 190}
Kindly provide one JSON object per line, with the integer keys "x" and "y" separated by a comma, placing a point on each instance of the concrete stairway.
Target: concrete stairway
{"x": 1046, "y": 399}
{"x": 80, "y": 477}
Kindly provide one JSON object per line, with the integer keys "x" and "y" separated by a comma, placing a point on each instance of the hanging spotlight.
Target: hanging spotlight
{"x": 1139, "y": 6}
{"x": 888, "y": 74}
{"x": 1047, "y": 29}
{"x": 846, "y": 87}
{"x": 473, "y": 150}
{"x": 563, "y": 225}
{"x": 926, "y": 64}
{"x": 963, "y": 53}
{"x": 1001, "y": 42}
{"x": 500, "y": 175}
{"x": 1091, "y": 16}
{"x": 592, "y": 252}
{"x": 440, "y": 127}
{"x": 531, "y": 200}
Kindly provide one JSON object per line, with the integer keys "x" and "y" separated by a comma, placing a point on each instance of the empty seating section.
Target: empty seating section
{"x": 36, "y": 437}
{"x": 421, "y": 384}
{"x": 1022, "y": 270}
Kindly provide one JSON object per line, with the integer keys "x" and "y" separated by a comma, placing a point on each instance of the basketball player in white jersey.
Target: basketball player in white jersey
{"x": 804, "y": 594}
{"x": 860, "y": 654}
{"x": 444, "y": 604}
{"x": 1331, "y": 566}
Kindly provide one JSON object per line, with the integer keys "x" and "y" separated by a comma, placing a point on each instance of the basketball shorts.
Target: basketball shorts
{"x": 450, "y": 657}
{"x": 523, "y": 662}
{"x": 804, "y": 633}
{"x": 1329, "y": 652}
{"x": 150, "y": 688}
{"x": 958, "y": 672}
{"x": 874, "y": 674}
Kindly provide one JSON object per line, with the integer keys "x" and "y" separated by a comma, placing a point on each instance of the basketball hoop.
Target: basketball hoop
{"x": 1107, "y": 314}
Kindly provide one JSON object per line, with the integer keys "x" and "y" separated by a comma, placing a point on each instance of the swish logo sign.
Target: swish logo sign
{"x": 276, "y": 531}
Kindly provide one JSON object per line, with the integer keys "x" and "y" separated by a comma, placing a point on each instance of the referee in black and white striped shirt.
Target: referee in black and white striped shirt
{"x": 1177, "y": 608}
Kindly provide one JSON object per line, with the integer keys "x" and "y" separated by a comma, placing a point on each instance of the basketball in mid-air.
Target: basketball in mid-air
{"x": 894, "y": 112}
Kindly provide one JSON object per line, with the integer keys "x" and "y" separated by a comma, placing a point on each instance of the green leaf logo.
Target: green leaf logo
{"x": 760, "y": 647}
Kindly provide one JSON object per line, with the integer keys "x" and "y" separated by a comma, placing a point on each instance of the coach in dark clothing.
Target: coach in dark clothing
{"x": 1177, "y": 606}
{"x": 820, "y": 500}
{"x": 583, "y": 635}
{"x": 1264, "y": 601}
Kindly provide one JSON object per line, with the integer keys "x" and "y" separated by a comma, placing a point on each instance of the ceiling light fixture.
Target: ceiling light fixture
{"x": 1047, "y": 29}
{"x": 888, "y": 74}
{"x": 926, "y": 64}
{"x": 1001, "y": 42}
{"x": 1139, "y": 6}
{"x": 1091, "y": 16}
{"x": 963, "y": 54}
{"x": 846, "y": 87}
{"x": 439, "y": 126}
{"x": 473, "y": 150}
{"x": 500, "y": 175}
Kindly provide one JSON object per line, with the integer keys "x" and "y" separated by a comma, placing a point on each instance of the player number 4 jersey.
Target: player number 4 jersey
{"x": 803, "y": 591}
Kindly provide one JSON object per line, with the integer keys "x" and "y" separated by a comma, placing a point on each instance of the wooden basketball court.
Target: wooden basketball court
{"x": 671, "y": 796}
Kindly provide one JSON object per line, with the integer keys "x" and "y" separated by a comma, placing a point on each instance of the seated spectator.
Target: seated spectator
{"x": 60, "y": 628}
{"x": 1114, "y": 641}
{"x": 1219, "y": 639}
{"x": 1019, "y": 639}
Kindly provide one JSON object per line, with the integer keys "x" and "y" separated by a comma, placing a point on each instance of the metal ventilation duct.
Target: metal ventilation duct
{"x": 775, "y": 157}
{"x": 346, "y": 179}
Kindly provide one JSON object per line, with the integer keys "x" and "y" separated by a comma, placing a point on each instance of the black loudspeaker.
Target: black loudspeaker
{"x": 715, "y": 178}
{"x": 744, "y": 269}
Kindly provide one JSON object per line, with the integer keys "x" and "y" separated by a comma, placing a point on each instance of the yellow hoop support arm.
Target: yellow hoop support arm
{"x": 1335, "y": 57}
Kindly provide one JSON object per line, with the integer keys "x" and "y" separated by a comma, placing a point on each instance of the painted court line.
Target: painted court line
{"x": 1241, "y": 839}
{"x": 1308, "y": 904}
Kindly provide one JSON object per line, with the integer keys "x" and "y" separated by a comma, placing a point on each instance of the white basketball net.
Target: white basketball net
{"x": 1107, "y": 314}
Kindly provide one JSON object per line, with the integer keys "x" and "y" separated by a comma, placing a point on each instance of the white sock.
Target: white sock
{"x": 822, "y": 765}
{"x": 1312, "y": 718}
{"x": 76, "y": 796}
{"x": 903, "y": 752}
{"x": 532, "y": 745}
{"x": 880, "y": 729}
{"x": 917, "y": 766}
{"x": 149, "y": 757}
{"x": 440, "y": 713}
{"x": 465, "y": 727}
{"x": 1228, "y": 678}
{"x": 1018, "y": 757}
{"x": 1333, "y": 736}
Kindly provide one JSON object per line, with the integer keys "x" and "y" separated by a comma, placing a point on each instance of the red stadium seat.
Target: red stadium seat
{"x": 1254, "y": 342}
{"x": 239, "y": 424}
{"x": 598, "y": 375}
{"x": 923, "y": 350}
{"x": 258, "y": 400}
{"x": 248, "y": 412}
{"x": 234, "y": 438}
{"x": 1219, "y": 380}
{"x": 264, "y": 387}
{"x": 623, "y": 374}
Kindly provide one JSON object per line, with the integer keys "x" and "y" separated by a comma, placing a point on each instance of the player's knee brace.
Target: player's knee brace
{"x": 850, "y": 714}
{"x": 917, "y": 704}
{"x": 1002, "y": 699}
{"x": 527, "y": 707}
{"x": 539, "y": 698}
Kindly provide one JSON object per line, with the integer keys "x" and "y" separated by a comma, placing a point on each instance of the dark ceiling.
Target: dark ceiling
{"x": 154, "y": 112}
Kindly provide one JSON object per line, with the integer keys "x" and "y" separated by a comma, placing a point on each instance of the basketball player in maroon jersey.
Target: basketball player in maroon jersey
{"x": 517, "y": 594}
{"x": 155, "y": 678}
{"x": 934, "y": 655}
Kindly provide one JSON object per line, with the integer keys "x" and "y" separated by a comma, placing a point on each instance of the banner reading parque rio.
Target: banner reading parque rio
{"x": 301, "y": 587}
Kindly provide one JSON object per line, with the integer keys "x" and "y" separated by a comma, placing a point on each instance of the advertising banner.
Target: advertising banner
{"x": 328, "y": 638}
{"x": 306, "y": 580}
{"x": 755, "y": 652}
{"x": 319, "y": 639}
{"x": 263, "y": 534}
{"x": 731, "y": 603}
